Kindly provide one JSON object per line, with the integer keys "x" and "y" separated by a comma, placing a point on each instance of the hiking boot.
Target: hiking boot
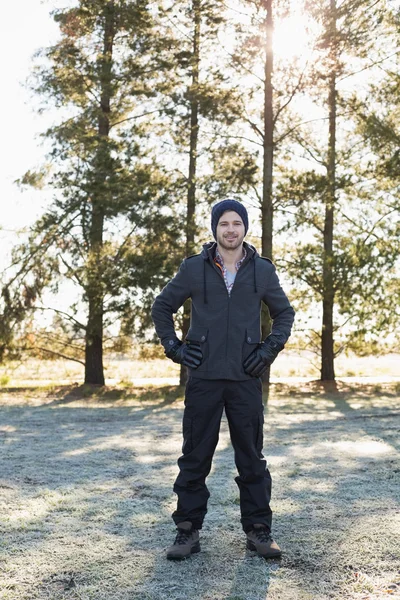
{"x": 259, "y": 539}
{"x": 186, "y": 542}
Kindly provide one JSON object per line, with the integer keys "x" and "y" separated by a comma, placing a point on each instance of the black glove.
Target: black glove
{"x": 189, "y": 355}
{"x": 264, "y": 355}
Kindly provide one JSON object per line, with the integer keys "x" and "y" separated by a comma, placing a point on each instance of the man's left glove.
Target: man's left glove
{"x": 259, "y": 360}
{"x": 189, "y": 355}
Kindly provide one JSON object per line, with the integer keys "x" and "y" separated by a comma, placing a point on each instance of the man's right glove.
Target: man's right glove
{"x": 262, "y": 357}
{"x": 189, "y": 355}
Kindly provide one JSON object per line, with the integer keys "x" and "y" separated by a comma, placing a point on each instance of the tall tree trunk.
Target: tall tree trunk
{"x": 94, "y": 370}
{"x": 268, "y": 156}
{"x": 327, "y": 355}
{"x": 191, "y": 193}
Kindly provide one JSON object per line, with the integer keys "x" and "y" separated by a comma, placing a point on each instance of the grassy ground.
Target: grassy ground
{"x": 85, "y": 494}
{"x": 125, "y": 370}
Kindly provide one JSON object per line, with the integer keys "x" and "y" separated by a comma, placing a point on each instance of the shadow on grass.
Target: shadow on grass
{"x": 161, "y": 395}
{"x": 338, "y": 390}
{"x": 53, "y": 395}
{"x": 105, "y": 469}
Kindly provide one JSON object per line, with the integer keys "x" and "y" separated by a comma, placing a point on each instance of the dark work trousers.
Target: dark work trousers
{"x": 205, "y": 401}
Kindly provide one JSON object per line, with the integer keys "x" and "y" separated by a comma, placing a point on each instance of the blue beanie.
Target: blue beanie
{"x": 228, "y": 204}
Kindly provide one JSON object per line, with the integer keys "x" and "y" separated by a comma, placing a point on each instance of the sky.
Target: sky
{"x": 25, "y": 26}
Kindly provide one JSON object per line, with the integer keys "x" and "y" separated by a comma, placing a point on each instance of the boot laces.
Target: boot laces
{"x": 182, "y": 536}
{"x": 262, "y": 534}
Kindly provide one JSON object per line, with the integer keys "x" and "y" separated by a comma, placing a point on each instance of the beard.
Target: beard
{"x": 230, "y": 244}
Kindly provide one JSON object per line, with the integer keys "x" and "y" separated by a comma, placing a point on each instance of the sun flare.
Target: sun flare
{"x": 293, "y": 37}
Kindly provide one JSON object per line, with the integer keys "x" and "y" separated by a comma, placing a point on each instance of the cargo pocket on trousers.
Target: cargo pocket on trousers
{"x": 260, "y": 432}
{"x": 187, "y": 430}
{"x": 199, "y": 336}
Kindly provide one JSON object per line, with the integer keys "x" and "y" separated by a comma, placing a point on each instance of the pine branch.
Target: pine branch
{"x": 337, "y": 327}
{"x": 237, "y": 62}
{"x": 373, "y": 64}
{"x": 289, "y": 131}
{"x": 340, "y": 350}
{"x": 56, "y": 354}
{"x": 55, "y": 339}
{"x": 288, "y": 101}
{"x": 256, "y": 129}
{"x": 150, "y": 112}
{"x": 122, "y": 246}
{"x": 60, "y": 312}
{"x": 71, "y": 271}
{"x": 259, "y": 198}
{"x": 314, "y": 283}
{"x": 306, "y": 147}
{"x": 306, "y": 220}
{"x": 240, "y": 137}
{"x": 40, "y": 248}
{"x": 371, "y": 231}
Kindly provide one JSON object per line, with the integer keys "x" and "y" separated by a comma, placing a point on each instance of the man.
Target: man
{"x": 227, "y": 283}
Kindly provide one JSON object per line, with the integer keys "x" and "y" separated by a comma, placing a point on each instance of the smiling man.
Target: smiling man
{"x": 226, "y": 358}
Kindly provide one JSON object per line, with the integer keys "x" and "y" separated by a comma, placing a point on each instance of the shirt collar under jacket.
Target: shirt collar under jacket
{"x": 219, "y": 261}
{"x": 208, "y": 253}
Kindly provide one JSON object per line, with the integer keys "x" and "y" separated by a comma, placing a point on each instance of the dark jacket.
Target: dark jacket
{"x": 226, "y": 327}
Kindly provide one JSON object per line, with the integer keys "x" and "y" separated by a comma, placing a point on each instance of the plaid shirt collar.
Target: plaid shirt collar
{"x": 219, "y": 261}
{"x": 218, "y": 258}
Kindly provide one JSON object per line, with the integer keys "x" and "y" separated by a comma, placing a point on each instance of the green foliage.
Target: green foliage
{"x": 111, "y": 195}
{"x": 363, "y": 257}
{"x": 203, "y": 101}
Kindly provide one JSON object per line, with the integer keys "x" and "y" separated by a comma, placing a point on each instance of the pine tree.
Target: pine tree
{"x": 266, "y": 110}
{"x": 335, "y": 259}
{"x": 200, "y": 106}
{"x": 377, "y": 119}
{"x": 110, "y": 218}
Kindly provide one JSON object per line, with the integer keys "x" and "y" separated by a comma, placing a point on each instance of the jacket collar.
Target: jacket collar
{"x": 209, "y": 248}
{"x": 208, "y": 253}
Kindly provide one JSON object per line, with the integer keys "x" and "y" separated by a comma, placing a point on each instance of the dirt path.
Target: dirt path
{"x": 85, "y": 493}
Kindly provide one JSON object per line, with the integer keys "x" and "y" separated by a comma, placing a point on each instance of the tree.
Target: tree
{"x": 377, "y": 119}
{"x": 266, "y": 109}
{"x": 337, "y": 259}
{"x": 200, "y": 106}
{"x": 111, "y": 212}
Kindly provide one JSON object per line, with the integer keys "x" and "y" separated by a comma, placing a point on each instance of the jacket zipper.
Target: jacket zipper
{"x": 229, "y": 298}
{"x": 227, "y": 321}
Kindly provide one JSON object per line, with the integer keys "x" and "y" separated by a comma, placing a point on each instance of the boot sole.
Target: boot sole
{"x": 250, "y": 546}
{"x": 194, "y": 549}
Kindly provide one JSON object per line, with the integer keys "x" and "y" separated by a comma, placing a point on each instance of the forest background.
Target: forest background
{"x": 152, "y": 111}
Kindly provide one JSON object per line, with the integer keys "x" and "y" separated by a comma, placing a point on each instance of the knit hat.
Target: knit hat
{"x": 228, "y": 204}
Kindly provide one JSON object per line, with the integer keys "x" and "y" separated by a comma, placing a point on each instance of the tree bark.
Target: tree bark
{"x": 268, "y": 157}
{"x": 191, "y": 192}
{"x": 327, "y": 343}
{"x": 94, "y": 370}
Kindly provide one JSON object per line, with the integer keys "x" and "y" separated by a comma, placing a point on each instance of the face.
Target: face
{"x": 230, "y": 230}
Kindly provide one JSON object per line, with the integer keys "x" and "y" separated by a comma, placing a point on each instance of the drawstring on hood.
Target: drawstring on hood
{"x": 208, "y": 253}
{"x": 204, "y": 280}
{"x": 255, "y": 280}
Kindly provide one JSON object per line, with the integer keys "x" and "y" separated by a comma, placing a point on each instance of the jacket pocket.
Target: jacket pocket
{"x": 251, "y": 340}
{"x": 199, "y": 336}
